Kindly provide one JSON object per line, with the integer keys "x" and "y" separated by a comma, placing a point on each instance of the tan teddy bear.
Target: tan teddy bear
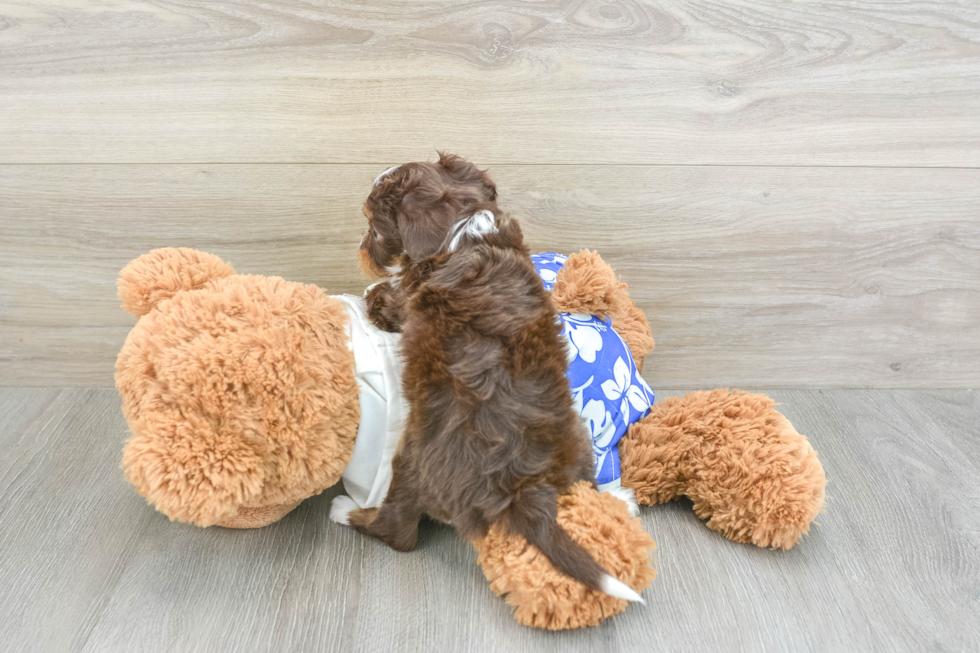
{"x": 247, "y": 394}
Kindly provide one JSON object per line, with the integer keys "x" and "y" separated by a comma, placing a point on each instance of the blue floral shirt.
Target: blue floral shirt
{"x": 608, "y": 391}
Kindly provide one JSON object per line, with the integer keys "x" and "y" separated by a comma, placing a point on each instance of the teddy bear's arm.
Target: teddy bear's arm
{"x": 633, "y": 327}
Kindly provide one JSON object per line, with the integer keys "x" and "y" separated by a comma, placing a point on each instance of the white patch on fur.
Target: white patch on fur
{"x": 476, "y": 226}
{"x": 395, "y": 272}
{"x": 368, "y": 289}
{"x": 620, "y": 590}
{"x": 626, "y": 494}
{"x": 340, "y": 509}
{"x": 377, "y": 180}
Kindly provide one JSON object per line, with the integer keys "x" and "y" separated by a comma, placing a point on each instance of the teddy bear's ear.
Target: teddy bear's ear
{"x": 161, "y": 273}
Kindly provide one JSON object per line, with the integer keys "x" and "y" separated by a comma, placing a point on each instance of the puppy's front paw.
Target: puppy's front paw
{"x": 627, "y": 495}
{"x": 340, "y": 509}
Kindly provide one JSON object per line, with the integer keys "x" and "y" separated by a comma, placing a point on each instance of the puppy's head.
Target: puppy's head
{"x": 413, "y": 206}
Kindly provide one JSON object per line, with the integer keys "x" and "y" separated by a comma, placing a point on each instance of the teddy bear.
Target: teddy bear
{"x": 247, "y": 394}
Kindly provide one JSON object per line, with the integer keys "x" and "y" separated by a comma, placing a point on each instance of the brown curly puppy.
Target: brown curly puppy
{"x": 492, "y": 436}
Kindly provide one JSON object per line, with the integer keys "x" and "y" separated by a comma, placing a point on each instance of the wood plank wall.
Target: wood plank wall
{"x": 792, "y": 191}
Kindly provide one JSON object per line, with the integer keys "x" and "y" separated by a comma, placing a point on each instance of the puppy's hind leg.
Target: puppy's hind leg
{"x": 396, "y": 522}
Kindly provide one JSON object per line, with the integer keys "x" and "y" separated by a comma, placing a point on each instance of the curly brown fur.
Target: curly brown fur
{"x": 492, "y": 437}
{"x": 412, "y": 207}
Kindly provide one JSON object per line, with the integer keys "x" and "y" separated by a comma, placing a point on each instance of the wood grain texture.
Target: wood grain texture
{"x": 87, "y": 566}
{"x": 787, "y": 277}
{"x": 830, "y": 82}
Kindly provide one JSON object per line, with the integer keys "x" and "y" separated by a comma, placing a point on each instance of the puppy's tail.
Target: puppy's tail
{"x": 568, "y": 557}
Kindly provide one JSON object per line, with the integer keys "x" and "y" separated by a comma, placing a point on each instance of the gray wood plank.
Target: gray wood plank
{"x": 740, "y": 82}
{"x": 750, "y": 275}
{"x": 87, "y": 566}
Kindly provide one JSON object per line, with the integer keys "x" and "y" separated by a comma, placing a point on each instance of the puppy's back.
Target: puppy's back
{"x": 486, "y": 365}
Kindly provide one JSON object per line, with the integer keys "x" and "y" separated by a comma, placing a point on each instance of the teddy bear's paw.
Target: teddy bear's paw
{"x": 626, "y": 495}
{"x": 340, "y": 509}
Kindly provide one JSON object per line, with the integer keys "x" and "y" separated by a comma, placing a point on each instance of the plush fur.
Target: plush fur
{"x": 239, "y": 390}
{"x": 588, "y": 286}
{"x": 748, "y": 472}
{"x": 492, "y": 437}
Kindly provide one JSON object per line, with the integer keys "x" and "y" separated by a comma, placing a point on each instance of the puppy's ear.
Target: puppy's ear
{"x": 464, "y": 172}
{"x": 425, "y": 216}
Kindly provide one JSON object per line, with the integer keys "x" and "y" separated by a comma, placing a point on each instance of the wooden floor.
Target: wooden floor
{"x": 88, "y": 566}
{"x": 791, "y": 189}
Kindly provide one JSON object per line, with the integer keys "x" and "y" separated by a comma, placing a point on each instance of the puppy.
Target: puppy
{"x": 409, "y": 210}
{"x": 491, "y": 436}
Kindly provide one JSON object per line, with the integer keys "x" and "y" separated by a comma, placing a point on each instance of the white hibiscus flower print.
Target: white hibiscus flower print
{"x": 620, "y": 387}
{"x": 551, "y": 257}
{"x": 646, "y": 386}
{"x": 548, "y": 276}
{"x": 599, "y": 421}
{"x": 600, "y": 459}
{"x": 584, "y": 338}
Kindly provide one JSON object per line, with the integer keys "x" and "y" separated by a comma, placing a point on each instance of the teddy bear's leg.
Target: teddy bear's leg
{"x": 748, "y": 472}
{"x": 587, "y": 284}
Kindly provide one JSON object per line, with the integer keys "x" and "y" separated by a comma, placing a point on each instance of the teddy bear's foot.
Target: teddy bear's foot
{"x": 546, "y": 598}
{"x": 748, "y": 472}
{"x": 258, "y": 516}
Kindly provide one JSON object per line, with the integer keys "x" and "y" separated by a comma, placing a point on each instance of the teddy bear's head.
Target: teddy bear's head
{"x": 239, "y": 390}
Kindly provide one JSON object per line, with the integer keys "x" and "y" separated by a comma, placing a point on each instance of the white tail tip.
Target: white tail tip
{"x": 620, "y": 590}
{"x": 627, "y": 495}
